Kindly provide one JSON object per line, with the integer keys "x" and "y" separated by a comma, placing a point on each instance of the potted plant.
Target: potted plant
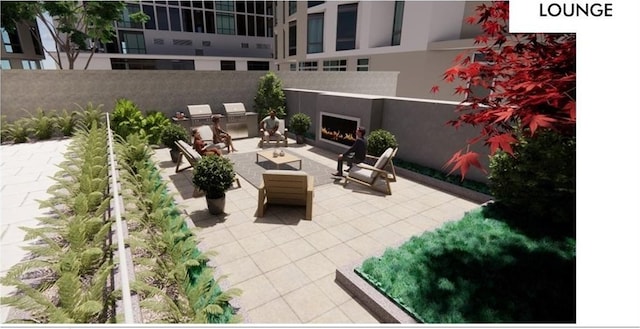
{"x": 300, "y": 123}
{"x": 170, "y": 134}
{"x": 214, "y": 175}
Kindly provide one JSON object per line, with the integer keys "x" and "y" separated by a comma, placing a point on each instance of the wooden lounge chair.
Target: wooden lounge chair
{"x": 286, "y": 187}
{"x": 370, "y": 176}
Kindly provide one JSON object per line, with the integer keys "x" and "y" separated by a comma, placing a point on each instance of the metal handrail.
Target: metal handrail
{"x": 124, "y": 271}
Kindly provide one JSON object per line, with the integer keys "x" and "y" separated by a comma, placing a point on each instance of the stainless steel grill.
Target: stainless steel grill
{"x": 199, "y": 114}
{"x": 237, "y": 120}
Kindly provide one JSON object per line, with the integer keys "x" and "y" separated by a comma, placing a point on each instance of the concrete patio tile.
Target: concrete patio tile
{"x": 405, "y": 229}
{"x": 11, "y": 254}
{"x": 12, "y": 233}
{"x": 327, "y": 220}
{"x": 287, "y": 278}
{"x": 332, "y": 289}
{"x": 297, "y": 249}
{"x": 244, "y": 230}
{"x": 322, "y": 240}
{"x": 333, "y": 316}
{"x": 346, "y": 213}
{"x": 309, "y": 302}
{"x": 357, "y": 312}
{"x": 386, "y": 236}
{"x": 282, "y": 234}
{"x": 316, "y": 266}
{"x": 228, "y": 252}
{"x": 256, "y": 291}
{"x": 365, "y": 245}
{"x": 276, "y": 311}
{"x": 270, "y": 259}
{"x": 32, "y": 198}
{"x": 16, "y": 215}
{"x": 215, "y": 237}
{"x": 385, "y": 217}
{"x": 423, "y": 222}
{"x": 400, "y": 211}
{"x": 255, "y": 243}
{"x": 342, "y": 255}
{"x": 344, "y": 232}
{"x": 365, "y": 208}
{"x": 13, "y": 200}
{"x": 365, "y": 224}
{"x": 239, "y": 270}
{"x": 306, "y": 227}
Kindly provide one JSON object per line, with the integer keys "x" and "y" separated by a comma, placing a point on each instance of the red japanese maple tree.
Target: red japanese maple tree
{"x": 532, "y": 78}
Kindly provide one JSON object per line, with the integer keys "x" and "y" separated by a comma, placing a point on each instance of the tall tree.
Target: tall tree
{"x": 532, "y": 78}
{"x": 76, "y": 26}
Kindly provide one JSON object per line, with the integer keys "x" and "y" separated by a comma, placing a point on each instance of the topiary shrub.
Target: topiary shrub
{"x": 379, "y": 140}
{"x": 214, "y": 175}
{"x": 300, "y": 123}
{"x": 537, "y": 185}
{"x": 270, "y": 96}
{"x": 172, "y": 133}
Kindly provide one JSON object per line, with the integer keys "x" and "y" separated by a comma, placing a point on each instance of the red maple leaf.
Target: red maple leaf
{"x": 435, "y": 89}
{"x": 502, "y": 141}
{"x": 463, "y": 162}
{"x": 538, "y": 120}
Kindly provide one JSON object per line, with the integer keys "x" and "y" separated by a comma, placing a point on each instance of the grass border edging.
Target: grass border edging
{"x": 382, "y": 308}
{"x": 456, "y": 190}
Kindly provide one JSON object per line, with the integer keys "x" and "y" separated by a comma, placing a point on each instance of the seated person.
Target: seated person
{"x": 200, "y": 147}
{"x": 269, "y": 127}
{"x": 355, "y": 154}
{"x": 219, "y": 135}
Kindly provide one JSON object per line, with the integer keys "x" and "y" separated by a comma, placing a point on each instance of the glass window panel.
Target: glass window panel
{"x": 242, "y": 24}
{"x": 174, "y": 15}
{"x": 187, "y": 22}
{"x": 346, "y": 27}
{"x": 292, "y": 38}
{"x": 269, "y": 26}
{"x": 260, "y": 7}
{"x": 225, "y": 23}
{"x": 314, "y": 3}
{"x": 151, "y": 23}
{"x": 228, "y": 65}
{"x": 209, "y": 18}
{"x": 397, "y": 23}
{"x": 198, "y": 21}
{"x": 125, "y": 20}
{"x": 251, "y": 25}
{"x": 163, "y": 20}
{"x": 257, "y": 66}
{"x": 6, "y": 65}
{"x": 208, "y": 4}
{"x": 251, "y": 7}
{"x": 240, "y": 6}
{"x": 196, "y": 4}
{"x": 260, "y": 25}
{"x": 292, "y": 7}
{"x": 315, "y": 33}
{"x": 224, "y": 5}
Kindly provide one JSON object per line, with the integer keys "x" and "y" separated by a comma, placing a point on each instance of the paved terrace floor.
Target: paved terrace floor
{"x": 284, "y": 264}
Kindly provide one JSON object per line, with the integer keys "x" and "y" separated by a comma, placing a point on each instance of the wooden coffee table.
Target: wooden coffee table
{"x": 280, "y": 159}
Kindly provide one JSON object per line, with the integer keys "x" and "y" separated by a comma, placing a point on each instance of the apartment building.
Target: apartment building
{"x": 191, "y": 35}
{"x": 22, "y": 48}
{"x": 418, "y": 39}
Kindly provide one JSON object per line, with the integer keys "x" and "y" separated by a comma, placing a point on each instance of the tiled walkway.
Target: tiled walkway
{"x": 284, "y": 264}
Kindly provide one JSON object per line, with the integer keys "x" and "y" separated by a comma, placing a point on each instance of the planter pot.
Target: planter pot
{"x": 175, "y": 154}
{"x": 299, "y": 139}
{"x": 216, "y": 206}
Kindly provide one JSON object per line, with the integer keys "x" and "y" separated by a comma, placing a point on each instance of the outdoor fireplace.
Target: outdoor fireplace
{"x": 338, "y": 129}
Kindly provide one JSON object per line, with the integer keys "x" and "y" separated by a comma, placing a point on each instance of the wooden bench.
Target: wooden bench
{"x": 286, "y": 187}
{"x": 192, "y": 157}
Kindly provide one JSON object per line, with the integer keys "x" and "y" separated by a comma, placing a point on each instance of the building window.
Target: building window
{"x": 174, "y": 16}
{"x": 224, "y": 5}
{"x": 251, "y": 25}
{"x": 292, "y": 67}
{"x": 292, "y": 38}
{"x": 480, "y": 89}
{"x": 293, "y": 7}
{"x": 335, "y": 65}
{"x": 126, "y": 21}
{"x": 275, "y": 42}
{"x": 240, "y": 6}
{"x": 198, "y": 21}
{"x": 210, "y": 21}
{"x": 132, "y": 42}
{"x": 35, "y": 38}
{"x": 187, "y": 22}
{"x": 30, "y": 65}
{"x": 363, "y": 64}
{"x": 151, "y": 64}
{"x": 241, "y": 21}
{"x": 314, "y": 3}
{"x": 261, "y": 32}
{"x": 11, "y": 41}
{"x": 270, "y": 27}
{"x": 347, "y": 23}
{"x": 163, "y": 20}
{"x": 228, "y": 65}
{"x": 257, "y": 66}
{"x": 308, "y": 66}
{"x": 226, "y": 23}
{"x": 151, "y": 23}
{"x": 6, "y": 65}
{"x": 397, "y": 23}
{"x": 315, "y": 33}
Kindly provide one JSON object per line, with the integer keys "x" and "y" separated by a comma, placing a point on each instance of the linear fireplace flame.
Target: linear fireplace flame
{"x": 336, "y": 128}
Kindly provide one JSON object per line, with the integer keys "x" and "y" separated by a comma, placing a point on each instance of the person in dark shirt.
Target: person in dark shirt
{"x": 355, "y": 154}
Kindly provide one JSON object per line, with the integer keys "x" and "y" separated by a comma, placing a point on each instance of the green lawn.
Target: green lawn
{"x": 479, "y": 270}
